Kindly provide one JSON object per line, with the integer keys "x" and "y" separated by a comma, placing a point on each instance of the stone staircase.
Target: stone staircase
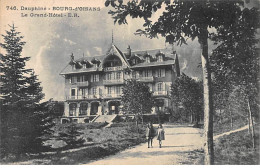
{"x": 104, "y": 118}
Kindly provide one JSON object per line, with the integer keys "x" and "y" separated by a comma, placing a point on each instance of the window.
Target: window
{"x": 109, "y": 76}
{"x": 72, "y": 109}
{"x": 147, "y": 59}
{"x": 118, "y": 90}
{"x": 83, "y": 108}
{"x": 95, "y": 77}
{"x": 73, "y": 92}
{"x": 85, "y": 78}
{"x": 118, "y": 75}
{"x": 161, "y": 72}
{"x": 100, "y": 91}
{"x": 78, "y": 79}
{"x": 109, "y": 90}
{"x": 160, "y": 58}
{"x": 159, "y": 87}
{"x": 95, "y": 65}
{"x": 134, "y": 61}
{"x": 72, "y": 79}
{"x": 94, "y": 90}
{"x": 147, "y": 73}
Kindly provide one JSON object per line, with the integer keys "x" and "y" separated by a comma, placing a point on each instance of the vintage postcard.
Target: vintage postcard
{"x": 137, "y": 82}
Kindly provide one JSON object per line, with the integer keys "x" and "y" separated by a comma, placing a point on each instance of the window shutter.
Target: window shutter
{"x": 86, "y": 92}
{"x": 100, "y": 91}
{"x": 97, "y": 77}
{"x": 163, "y": 86}
{"x": 91, "y": 79}
{"x": 150, "y": 73}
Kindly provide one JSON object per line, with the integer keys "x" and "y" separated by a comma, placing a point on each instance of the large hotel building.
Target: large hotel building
{"x": 93, "y": 85}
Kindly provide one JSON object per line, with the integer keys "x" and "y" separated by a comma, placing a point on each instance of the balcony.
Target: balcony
{"x": 80, "y": 84}
{"x": 117, "y": 68}
{"x": 111, "y": 96}
{"x": 86, "y": 83}
{"x": 161, "y": 93}
{"x": 146, "y": 79}
{"x": 80, "y": 97}
{"x": 113, "y": 82}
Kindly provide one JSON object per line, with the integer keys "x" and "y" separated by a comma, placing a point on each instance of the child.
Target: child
{"x": 160, "y": 135}
{"x": 150, "y": 134}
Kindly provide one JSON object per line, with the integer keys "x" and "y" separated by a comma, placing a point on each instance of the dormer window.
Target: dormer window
{"x": 84, "y": 66}
{"x": 147, "y": 59}
{"x": 160, "y": 58}
{"x": 112, "y": 61}
{"x": 95, "y": 65}
{"x": 134, "y": 61}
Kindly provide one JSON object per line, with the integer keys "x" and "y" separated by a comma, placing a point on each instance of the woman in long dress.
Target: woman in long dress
{"x": 160, "y": 134}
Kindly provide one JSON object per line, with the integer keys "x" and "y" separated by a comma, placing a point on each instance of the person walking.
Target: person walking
{"x": 160, "y": 134}
{"x": 150, "y": 134}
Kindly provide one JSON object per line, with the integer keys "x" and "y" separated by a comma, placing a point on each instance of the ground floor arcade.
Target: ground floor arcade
{"x": 85, "y": 111}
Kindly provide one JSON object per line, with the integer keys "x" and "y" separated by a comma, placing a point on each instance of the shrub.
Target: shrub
{"x": 71, "y": 136}
{"x": 95, "y": 125}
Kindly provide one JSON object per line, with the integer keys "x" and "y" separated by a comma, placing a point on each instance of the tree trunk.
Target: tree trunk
{"x": 252, "y": 124}
{"x": 208, "y": 104}
{"x": 220, "y": 116}
{"x": 249, "y": 127}
{"x": 191, "y": 117}
{"x": 231, "y": 119}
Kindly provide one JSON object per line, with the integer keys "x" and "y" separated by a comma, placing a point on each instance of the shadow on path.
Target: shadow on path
{"x": 141, "y": 154}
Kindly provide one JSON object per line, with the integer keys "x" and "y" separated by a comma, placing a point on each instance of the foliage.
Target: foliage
{"x": 23, "y": 120}
{"x": 71, "y": 136}
{"x": 137, "y": 98}
{"x": 187, "y": 95}
{"x": 235, "y": 63}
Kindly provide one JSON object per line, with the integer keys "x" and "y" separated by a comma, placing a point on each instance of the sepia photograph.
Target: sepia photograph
{"x": 129, "y": 82}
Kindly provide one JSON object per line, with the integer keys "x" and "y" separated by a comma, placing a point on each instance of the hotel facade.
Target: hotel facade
{"x": 93, "y": 85}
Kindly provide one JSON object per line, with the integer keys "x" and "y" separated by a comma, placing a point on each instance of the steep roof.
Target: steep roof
{"x": 169, "y": 59}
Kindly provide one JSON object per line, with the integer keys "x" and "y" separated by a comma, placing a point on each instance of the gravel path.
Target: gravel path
{"x": 176, "y": 149}
{"x": 230, "y": 132}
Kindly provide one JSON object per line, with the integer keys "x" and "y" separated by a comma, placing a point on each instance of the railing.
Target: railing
{"x": 80, "y": 97}
{"x": 111, "y": 95}
{"x": 86, "y": 83}
{"x": 82, "y": 83}
{"x": 146, "y": 79}
{"x": 113, "y": 81}
{"x": 160, "y": 93}
{"x": 117, "y": 68}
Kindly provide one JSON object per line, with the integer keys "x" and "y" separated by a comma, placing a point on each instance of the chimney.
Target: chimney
{"x": 72, "y": 57}
{"x": 128, "y": 52}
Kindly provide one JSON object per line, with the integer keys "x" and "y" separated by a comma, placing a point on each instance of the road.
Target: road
{"x": 176, "y": 149}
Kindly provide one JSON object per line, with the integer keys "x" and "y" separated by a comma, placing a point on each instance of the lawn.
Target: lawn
{"x": 100, "y": 142}
{"x": 236, "y": 149}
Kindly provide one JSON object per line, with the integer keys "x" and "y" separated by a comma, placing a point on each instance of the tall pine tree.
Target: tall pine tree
{"x": 23, "y": 118}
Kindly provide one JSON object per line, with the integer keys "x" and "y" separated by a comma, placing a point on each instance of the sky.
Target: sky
{"x": 50, "y": 41}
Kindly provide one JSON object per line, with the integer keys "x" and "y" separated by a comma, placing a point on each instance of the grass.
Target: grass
{"x": 100, "y": 142}
{"x": 236, "y": 149}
